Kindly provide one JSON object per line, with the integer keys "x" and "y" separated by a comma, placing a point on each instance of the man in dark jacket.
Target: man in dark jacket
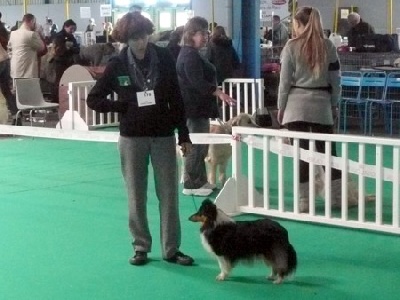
{"x": 359, "y": 28}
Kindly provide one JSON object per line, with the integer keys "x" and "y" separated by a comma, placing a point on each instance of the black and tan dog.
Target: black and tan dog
{"x": 233, "y": 241}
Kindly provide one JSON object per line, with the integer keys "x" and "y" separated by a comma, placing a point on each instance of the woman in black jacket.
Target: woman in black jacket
{"x": 222, "y": 55}
{"x": 151, "y": 108}
{"x": 198, "y": 84}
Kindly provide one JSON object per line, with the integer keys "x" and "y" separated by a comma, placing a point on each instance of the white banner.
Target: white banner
{"x": 85, "y": 12}
{"x": 105, "y": 10}
{"x": 268, "y": 8}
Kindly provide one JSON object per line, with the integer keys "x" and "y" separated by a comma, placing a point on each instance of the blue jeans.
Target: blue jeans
{"x": 5, "y": 80}
{"x": 195, "y": 174}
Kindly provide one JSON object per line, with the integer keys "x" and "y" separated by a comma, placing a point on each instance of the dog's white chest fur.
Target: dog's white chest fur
{"x": 205, "y": 244}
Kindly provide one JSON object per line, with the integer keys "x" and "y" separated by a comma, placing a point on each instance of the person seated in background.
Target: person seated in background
{"x": 358, "y": 29}
{"x": 278, "y": 34}
{"x": 97, "y": 54}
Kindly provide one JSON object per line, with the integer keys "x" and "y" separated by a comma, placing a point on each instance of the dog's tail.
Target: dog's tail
{"x": 292, "y": 259}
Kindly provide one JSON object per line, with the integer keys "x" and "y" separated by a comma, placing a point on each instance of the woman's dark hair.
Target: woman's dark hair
{"x": 130, "y": 25}
{"x": 218, "y": 33}
{"x": 194, "y": 25}
{"x": 69, "y": 23}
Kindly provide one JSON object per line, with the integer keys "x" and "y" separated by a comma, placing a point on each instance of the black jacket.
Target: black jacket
{"x": 360, "y": 30}
{"x": 223, "y": 56}
{"x": 62, "y": 53}
{"x": 157, "y": 120}
{"x": 198, "y": 82}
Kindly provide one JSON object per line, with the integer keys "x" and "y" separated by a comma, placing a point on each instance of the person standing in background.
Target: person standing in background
{"x": 222, "y": 55}
{"x": 174, "y": 44}
{"x": 309, "y": 91}
{"x": 65, "y": 48}
{"x": 278, "y": 34}
{"x": 24, "y": 45}
{"x": 5, "y": 78}
{"x": 92, "y": 24}
{"x": 198, "y": 85}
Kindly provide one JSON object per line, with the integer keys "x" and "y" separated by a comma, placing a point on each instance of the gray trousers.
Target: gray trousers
{"x": 195, "y": 174}
{"x": 136, "y": 153}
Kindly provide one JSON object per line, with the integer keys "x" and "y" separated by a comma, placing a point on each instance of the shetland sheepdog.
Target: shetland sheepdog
{"x": 233, "y": 241}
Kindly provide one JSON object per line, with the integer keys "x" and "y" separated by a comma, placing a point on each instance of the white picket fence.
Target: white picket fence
{"x": 252, "y": 192}
{"x": 249, "y": 94}
{"x": 79, "y": 115}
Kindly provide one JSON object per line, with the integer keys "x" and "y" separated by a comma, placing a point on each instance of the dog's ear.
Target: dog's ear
{"x": 207, "y": 201}
{"x": 194, "y": 217}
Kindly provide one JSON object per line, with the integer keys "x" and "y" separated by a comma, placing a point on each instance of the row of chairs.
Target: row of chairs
{"x": 369, "y": 95}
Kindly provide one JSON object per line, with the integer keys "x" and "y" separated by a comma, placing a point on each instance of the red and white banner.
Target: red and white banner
{"x": 268, "y": 8}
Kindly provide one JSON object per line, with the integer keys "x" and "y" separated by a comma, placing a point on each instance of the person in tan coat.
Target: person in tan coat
{"x": 24, "y": 45}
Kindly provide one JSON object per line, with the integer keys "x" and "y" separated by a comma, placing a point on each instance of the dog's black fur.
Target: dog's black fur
{"x": 232, "y": 241}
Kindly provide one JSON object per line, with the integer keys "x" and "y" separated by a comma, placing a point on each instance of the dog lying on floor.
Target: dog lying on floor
{"x": 233, "y": 241}
{"x": 219, "y": 154}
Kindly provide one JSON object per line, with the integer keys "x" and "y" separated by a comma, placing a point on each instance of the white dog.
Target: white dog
{"x": 219, "y": 154}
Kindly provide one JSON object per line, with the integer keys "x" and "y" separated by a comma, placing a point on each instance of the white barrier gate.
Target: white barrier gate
{"x": 79, "y": 115}
{"x": 249, "y": 94}
{"x": 240, "y": 195}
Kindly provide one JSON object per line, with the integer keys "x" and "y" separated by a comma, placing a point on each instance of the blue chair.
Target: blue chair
{"x": 391, "y": 101}
{"x": 373, "y": 85}
{"x": 350, "y": 98}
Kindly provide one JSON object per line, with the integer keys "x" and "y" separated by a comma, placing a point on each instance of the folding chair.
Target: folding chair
{"x": 372, "y": 91}
{"x": 30, "y": 98}
{"x": 391, "y": 101}
{"x": 350, "y": 98}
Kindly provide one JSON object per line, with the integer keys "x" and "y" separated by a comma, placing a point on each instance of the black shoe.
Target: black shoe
{"x": 139, "y": 259}
{"x": 180, "y": 259}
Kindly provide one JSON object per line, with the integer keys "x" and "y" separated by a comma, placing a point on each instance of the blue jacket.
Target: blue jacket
{"x": 157, "y": 120}
{"x": 197, "y": 80}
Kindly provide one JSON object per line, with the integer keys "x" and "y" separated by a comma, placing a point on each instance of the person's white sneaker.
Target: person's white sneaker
{"x": 208, "y": 185}
{"x": 197, "y": 192}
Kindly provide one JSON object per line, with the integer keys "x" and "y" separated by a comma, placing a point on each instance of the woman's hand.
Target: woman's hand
{"x": 227, "y": 99}
{"x": 224, "y": 97}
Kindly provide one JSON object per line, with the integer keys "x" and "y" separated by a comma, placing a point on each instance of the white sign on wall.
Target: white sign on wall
{"x": 273, "y": 7}
{"x": 105, "y": 10}
{"x": 85, "y": 12}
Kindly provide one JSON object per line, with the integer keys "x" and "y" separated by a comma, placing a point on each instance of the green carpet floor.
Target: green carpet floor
{"x": 64, "y": 235}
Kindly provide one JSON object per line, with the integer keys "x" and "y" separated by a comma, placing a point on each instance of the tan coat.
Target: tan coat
{"x": 24, "y": 45}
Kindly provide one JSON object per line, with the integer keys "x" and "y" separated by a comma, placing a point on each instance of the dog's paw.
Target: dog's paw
{"x": 221, "y": 277}
{"x": 279, "y": 280}
{"x": 271, "y": 277}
